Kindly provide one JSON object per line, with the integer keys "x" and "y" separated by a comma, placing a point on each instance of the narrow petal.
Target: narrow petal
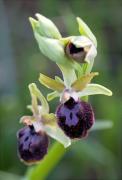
{"x": 92, "y": 89}
{"x": 82, "y": 82}
{"x": 51, "y": 83}
{"x": 52, "y": 95}
{"x": 58, "y": 79}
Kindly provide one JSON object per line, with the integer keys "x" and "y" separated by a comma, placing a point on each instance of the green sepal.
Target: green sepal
{"x": 52, "y": 95}
{"x": 56, "y": 133}
{"x": 51, "y": 83}
{"x": 45, "y": 27}
{"x": 53, "y": 49}
{"x": 82, "y": 82}
{"x": 69, "y": 75}
{"x": 93, "y": 89}
{"x": 35, "y": 93}
{"x": 85, "y": 30}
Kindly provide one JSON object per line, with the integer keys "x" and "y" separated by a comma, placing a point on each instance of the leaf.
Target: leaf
{"x": 92, "y": 89}
{"x": 85, "y": 30}
{"x": 47, "y": 27}
{"x": 52, "y": 95}
{"x": 101, "y": 125}
{"x": 82, "y": 82}
{"x": 51, "y": 83}
{"x": 56, "y": 133}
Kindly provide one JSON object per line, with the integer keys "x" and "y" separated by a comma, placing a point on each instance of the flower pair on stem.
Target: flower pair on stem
{"x": 74, "y": 116}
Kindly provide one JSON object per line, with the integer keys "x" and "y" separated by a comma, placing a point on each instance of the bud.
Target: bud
{"x": 32, "y": 146}
{"x": 75, "y": 118}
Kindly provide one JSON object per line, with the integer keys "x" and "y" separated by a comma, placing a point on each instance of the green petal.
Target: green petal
{"x": 56, "y": 133}
{"x": 51, "y": 83}
{"x": 82, "y": 82}
{"x": 52, "y": 95}
{"x": 46, "y": 27}
{"x": 92, "y": 89}
{"x": 85, "y": 30}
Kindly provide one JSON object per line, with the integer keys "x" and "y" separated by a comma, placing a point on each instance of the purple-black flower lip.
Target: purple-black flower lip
{"x": 75, "y": 118}
{"x": 32, "y": 146}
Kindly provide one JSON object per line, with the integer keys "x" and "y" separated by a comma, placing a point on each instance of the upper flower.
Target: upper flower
{"x": 67, "y": 52}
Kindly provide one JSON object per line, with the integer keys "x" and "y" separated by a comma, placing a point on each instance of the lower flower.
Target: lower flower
{"x": 32, "y": 146}
{"x": 75, "y": 118}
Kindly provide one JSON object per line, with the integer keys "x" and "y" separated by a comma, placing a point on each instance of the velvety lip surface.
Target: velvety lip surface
{"x": 75, "y": 118}
{"x": 32, "y": 146}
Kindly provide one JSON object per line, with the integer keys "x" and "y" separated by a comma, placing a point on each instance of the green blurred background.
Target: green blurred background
{"x": 99, "y": 157}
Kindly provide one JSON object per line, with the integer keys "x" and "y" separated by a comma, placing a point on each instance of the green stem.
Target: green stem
{"x": 42, "y": 170}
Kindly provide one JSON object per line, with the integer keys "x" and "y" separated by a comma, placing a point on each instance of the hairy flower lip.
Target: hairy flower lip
{"x": 75, "y": 118}
{"x": 32, "y": 146}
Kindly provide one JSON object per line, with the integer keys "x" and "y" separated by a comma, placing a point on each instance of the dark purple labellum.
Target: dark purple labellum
{"x": 32, "y": 146}
{"x": 75, "y": 118}
{"x": 75, "y": 53}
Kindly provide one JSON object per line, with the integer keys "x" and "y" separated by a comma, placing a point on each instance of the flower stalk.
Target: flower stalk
{"x": 44, "y": 168}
